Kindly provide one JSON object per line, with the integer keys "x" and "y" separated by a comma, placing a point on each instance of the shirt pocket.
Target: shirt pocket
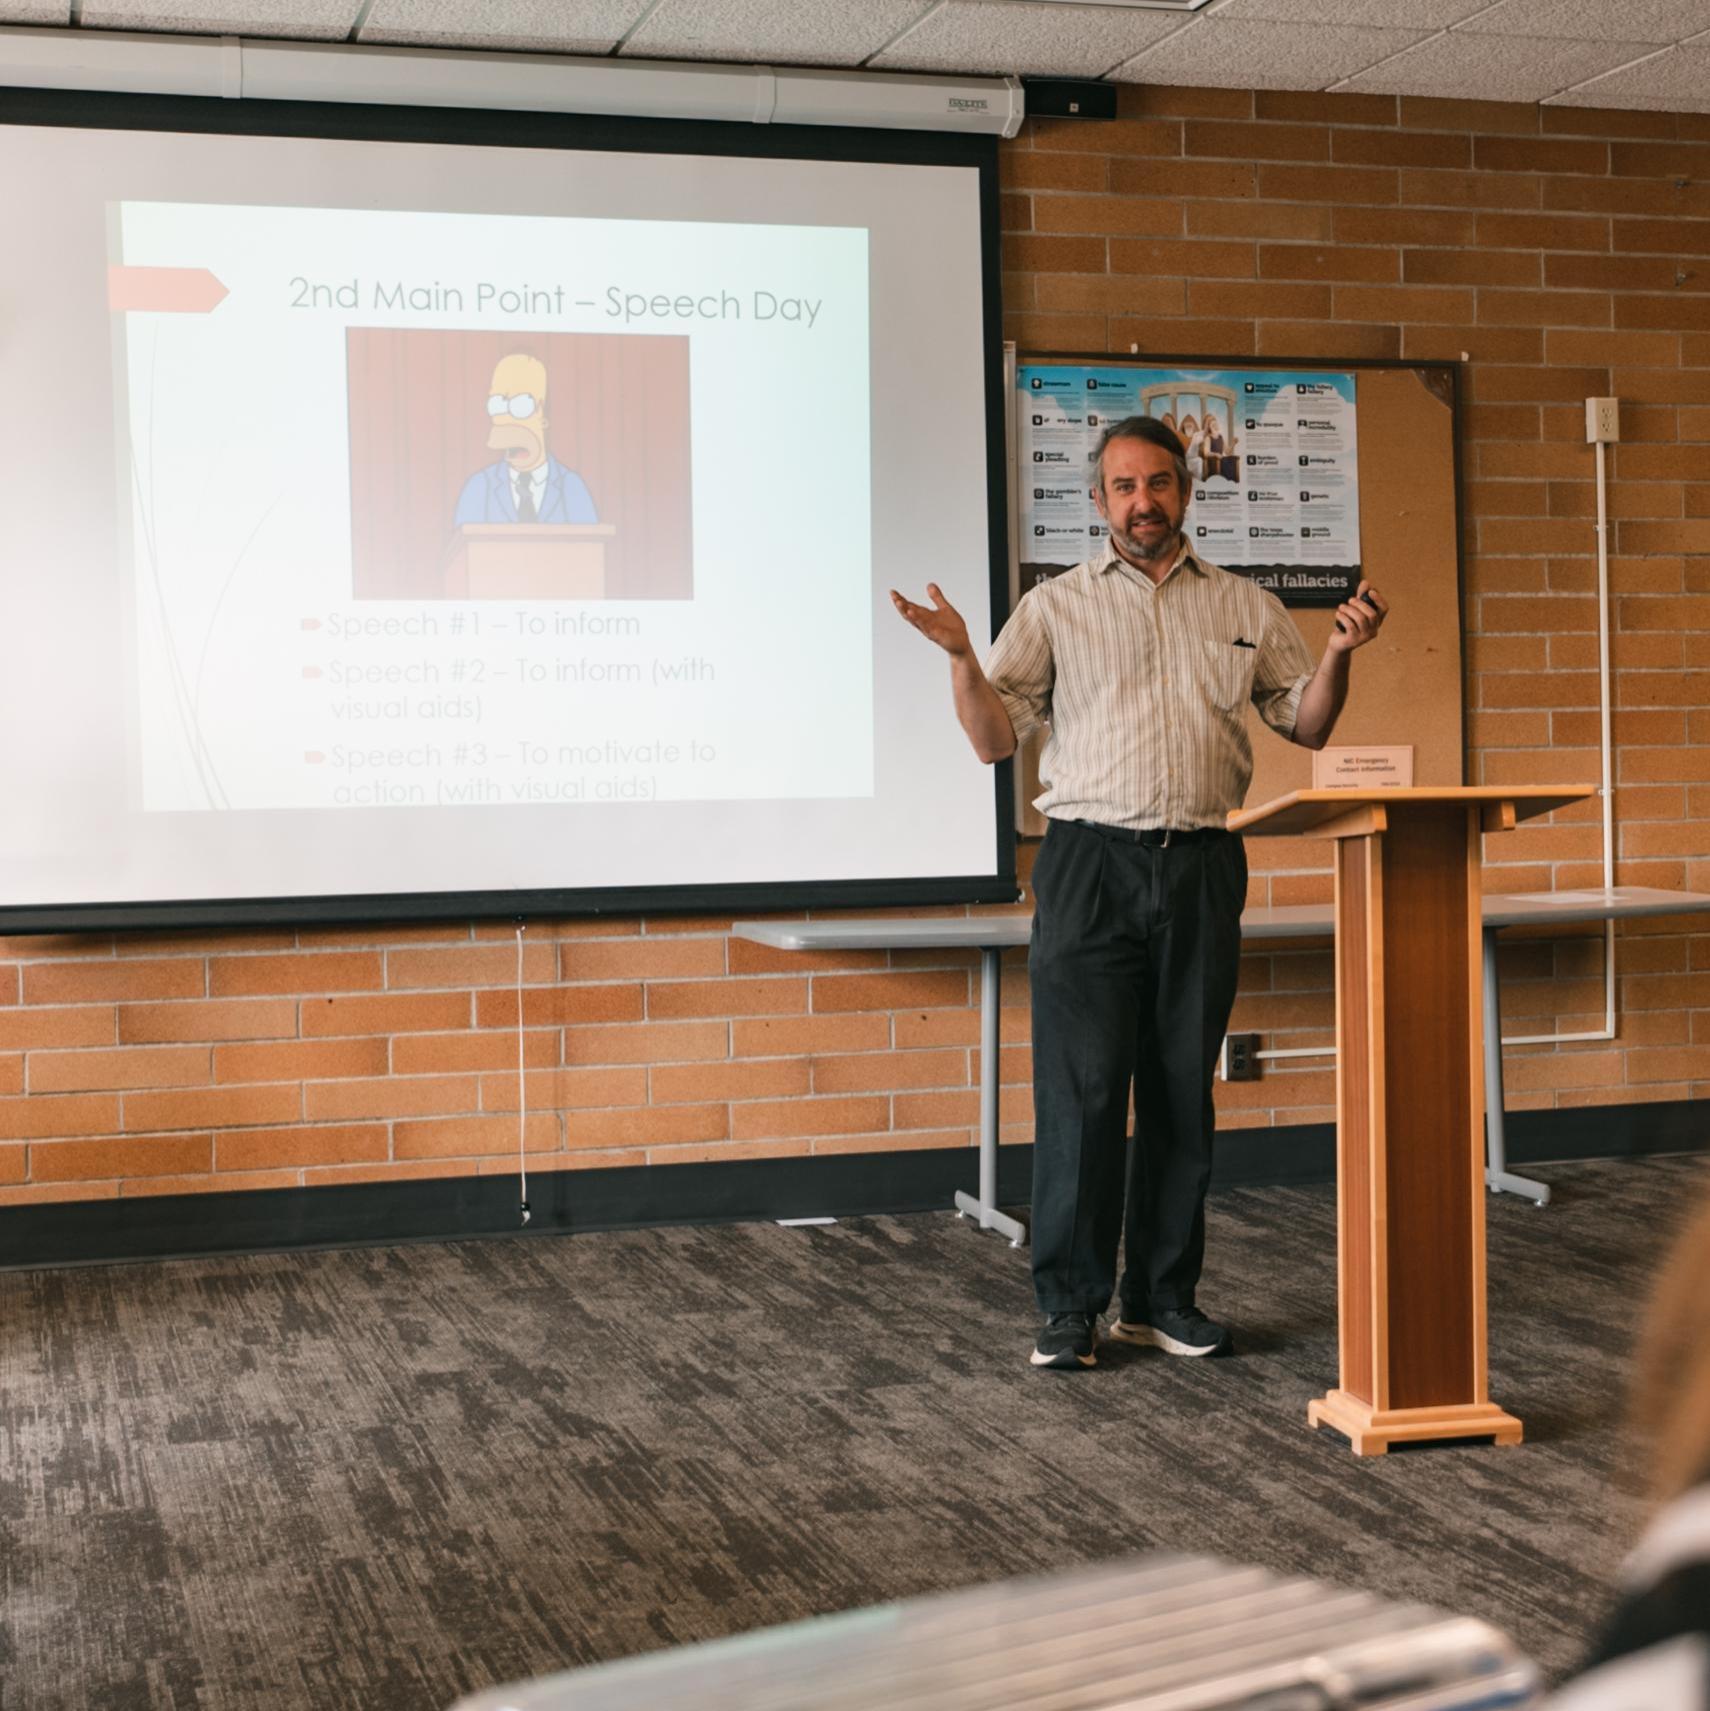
{"x": 1229, "y": 674}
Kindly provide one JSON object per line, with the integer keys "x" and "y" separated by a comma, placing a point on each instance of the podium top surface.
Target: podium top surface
{"x": 536, "y": 531}
{"x": 1304, "y": 811}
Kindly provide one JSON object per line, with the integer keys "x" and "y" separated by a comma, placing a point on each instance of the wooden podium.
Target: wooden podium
{"x": 1409, "y": 1102}
{"x": 528, "y": 561}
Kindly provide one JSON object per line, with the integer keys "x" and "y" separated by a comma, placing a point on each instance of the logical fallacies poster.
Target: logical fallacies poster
{"x": 1272, "y": 457}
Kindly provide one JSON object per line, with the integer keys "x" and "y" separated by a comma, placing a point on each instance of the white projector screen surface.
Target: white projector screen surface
{"x": 396, "y": 521}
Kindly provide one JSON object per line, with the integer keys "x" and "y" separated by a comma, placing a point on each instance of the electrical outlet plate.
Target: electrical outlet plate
{"x": 1241, "y": 1057}
{"x": 1602, "y": 420}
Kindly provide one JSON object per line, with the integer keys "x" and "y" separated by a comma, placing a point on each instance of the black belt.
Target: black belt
{"x": 1154, "y": 837}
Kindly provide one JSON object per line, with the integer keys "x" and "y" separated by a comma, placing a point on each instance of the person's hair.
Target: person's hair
{"x": 1153, "y": 432}
{"x": 1671, "y": 1388}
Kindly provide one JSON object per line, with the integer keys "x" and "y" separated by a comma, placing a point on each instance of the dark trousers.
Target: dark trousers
{"x": 1134, "y": 960}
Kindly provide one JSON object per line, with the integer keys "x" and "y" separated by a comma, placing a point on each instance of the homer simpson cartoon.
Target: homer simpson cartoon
{"x": 527, "y": 484}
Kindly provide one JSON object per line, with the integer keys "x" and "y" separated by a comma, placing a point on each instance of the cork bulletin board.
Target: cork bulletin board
{"x": 1407, "y": 686}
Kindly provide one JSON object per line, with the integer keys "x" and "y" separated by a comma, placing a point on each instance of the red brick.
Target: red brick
{"x": 126, "y": 1067}
{"x": 212, "y": 1107}
{"x": 1313, "y": 107}
{"x": 666, "y": 1125}
{"x": 559, "y": 1006}
{"x": 1432, "y": 113}
{"x": 833, "y": 992}
{"x": 390, "y": 1096}
{"x": 642, "y": 959}
{"x": 1258, "y": 220}
{"x": 753, "y": 1078}
{"x": 1213, "y": 139}
{"x": 1551, "y": 155}
{"x": 464, "y": 1137}
{"x": 1370, "y": 186}
{"x": 1396, "y": 303}
{"x": 1032, "y": 254}
{"x": 471, "y": 965}
{"x": 36, "y": 1115}
{"x": 1325, "y": 261}
{"x": 208, "y": 1020}
{"x": 1153, "y": 137}
{"x": 1107, "y": 216}
{"x": 488, "y": 1049}
{"x": 1228, "y": 179}
{"x": 871, "y": 1072}
{"x": 1269, "y": 300}
{"x": 325, "y": 1018}
{"x": 301, "y": 1060}
{"x": 775, "y": 1036}
{"x": 650, "y": 1042}
{"x": 72, "y": 1161}
{"x": 1029, "y": 169}
{"x": 29, "y": 1027}
{"x": 1542, "y": 232}
{"x": 138, "y": 1188}
{"x": 1212, "y": 258}
{"x": 567, "y": 1089}
{"x": 11, "y": 1072}
{"x": 307, "y": 972}
{"x": 1413, "y": 149}
{"x": 1328, "y": 338}
{"x": 680, "y": 1000}
{"x": 1107, "y": 293}
{"x": 113, "y": 981}
{"x": 1430, "y": 187}
{"x": 779, "y": 1118}
{"x": 300, "y": 1145}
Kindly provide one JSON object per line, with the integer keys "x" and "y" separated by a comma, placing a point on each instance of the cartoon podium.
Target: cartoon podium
{"x": 1409, "y": 1101}
{"x": 528, "y": 561}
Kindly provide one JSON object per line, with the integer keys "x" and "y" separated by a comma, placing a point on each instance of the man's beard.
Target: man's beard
{"x": 1134, "y": 547}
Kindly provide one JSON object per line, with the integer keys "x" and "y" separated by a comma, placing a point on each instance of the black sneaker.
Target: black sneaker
{"x": 1067, "y": 1342}
{"x": 1177, "y": 1331}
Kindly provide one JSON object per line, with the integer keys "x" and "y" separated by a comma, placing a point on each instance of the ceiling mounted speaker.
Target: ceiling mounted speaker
{"x": 1069, "y": 98}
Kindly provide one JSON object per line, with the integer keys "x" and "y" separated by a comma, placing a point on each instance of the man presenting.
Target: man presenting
{"x": 1141, "y": 662}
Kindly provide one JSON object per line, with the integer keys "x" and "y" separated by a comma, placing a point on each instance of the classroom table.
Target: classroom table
{"x": 991, "y": 935}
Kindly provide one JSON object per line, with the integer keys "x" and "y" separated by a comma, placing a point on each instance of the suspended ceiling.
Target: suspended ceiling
{"x": 1587, "y": 53}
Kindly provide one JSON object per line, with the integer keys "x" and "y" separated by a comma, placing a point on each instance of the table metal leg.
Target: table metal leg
{"x": 1497, "y": 1176}
{"x": 985, "y": 1207}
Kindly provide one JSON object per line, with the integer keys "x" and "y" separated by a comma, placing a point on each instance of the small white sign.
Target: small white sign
{"x": 1363, "y": 768}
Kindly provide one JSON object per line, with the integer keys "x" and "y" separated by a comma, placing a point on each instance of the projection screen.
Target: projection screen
{"x": 420, "y": 514}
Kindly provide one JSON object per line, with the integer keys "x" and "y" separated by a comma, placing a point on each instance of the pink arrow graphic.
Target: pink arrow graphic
{"x": 164, "y": 290}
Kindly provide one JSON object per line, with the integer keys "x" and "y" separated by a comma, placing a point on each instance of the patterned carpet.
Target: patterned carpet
{"x": 383, "y": 1478}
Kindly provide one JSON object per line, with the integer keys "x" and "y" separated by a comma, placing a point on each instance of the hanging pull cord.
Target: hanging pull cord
{"x": 522, "y": 1089}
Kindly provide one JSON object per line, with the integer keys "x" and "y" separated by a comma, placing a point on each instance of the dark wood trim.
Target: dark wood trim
{"x": 92, "y": 1232}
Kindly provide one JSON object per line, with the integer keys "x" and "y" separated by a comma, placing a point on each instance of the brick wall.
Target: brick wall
{"x": 1566, "y": 252}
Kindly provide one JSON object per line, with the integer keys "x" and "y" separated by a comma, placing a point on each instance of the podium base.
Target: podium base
{"x": 1371, "y": 1431}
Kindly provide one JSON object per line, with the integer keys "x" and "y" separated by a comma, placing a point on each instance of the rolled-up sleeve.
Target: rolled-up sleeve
{"x": 1021, "y": 670}
{"x": 1282, "y": 671}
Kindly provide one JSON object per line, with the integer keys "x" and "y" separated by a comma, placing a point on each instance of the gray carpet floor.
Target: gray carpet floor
{"x": 386, "y": 1477}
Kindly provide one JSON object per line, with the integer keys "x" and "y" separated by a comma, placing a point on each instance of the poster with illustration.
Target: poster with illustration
{"x": 1273, "y": 468}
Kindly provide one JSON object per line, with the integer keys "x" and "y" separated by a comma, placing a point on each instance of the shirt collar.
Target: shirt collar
{"x": 1111, "y": 559}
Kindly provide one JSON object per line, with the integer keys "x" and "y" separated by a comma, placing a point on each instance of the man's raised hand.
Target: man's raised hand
{"x": 940, "y": 622}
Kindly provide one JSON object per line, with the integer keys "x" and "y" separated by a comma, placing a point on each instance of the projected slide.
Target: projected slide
{"x": 410, "y": 520}
{"x": 445, "y": 509}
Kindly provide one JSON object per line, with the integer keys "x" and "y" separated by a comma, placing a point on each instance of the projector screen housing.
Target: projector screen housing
{"x": 160, "y": 696}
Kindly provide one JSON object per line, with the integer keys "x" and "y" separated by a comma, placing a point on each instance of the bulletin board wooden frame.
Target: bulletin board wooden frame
{"x": 1409, "y": 685}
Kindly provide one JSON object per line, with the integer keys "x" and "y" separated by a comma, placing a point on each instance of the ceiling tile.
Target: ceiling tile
{"x": 801, "y": 32}
{"x": 514, "y": 26}
{"x": 1674, "y": 82}
{"x": 1009, "y": 35}
{"x": 1379, "y": 14}
{"x": 35, "y": 11}
{"x": 1596, "y": 20}
{"x": 1493, "y": 68}
{"x": 1242, "y": 53}
{"x": 293, "y": 20}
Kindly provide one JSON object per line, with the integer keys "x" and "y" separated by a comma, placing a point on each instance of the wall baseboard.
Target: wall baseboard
{"x": 93, "y": 1232}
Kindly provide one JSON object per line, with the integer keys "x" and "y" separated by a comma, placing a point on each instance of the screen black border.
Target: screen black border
{"x": 482, "y": 128}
